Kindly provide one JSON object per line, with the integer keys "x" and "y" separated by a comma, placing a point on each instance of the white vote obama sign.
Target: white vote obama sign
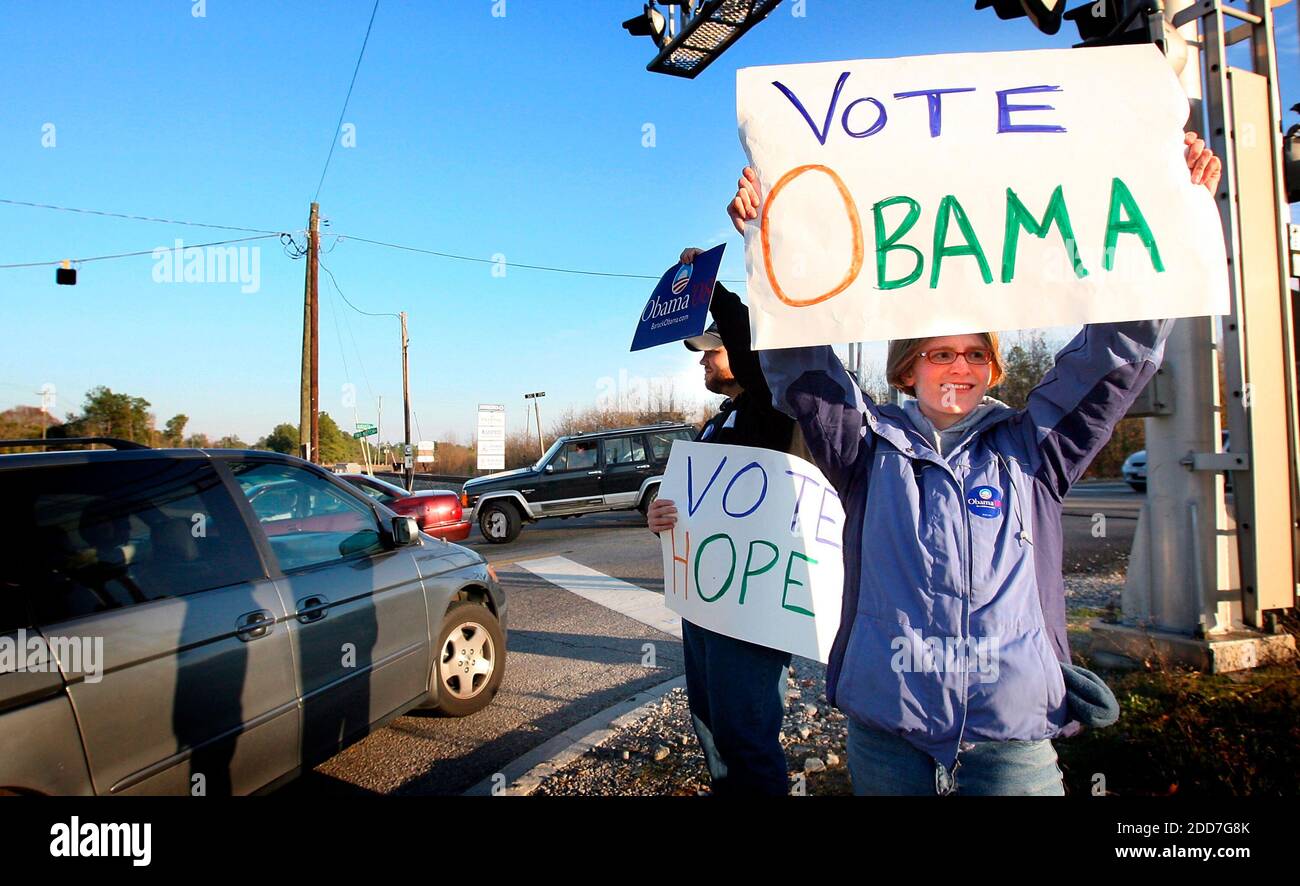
{"x": 944, "y": 194}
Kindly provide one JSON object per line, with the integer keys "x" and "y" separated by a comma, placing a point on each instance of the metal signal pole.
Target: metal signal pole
{"x": 1201, "y": 588}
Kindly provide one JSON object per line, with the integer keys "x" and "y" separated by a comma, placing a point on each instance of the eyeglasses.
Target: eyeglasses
{"x": 946, "y": 356}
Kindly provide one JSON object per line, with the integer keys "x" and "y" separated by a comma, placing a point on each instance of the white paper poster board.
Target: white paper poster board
{"x": 946, "y": 194}
{"x": 756, "y": 550}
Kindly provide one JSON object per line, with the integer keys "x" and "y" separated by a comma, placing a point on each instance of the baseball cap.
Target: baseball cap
{"x": 709, "y": 340}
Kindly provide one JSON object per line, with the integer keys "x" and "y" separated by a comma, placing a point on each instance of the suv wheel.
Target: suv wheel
{"x": 468, "y": 662}
{"x": 499, "y": 522}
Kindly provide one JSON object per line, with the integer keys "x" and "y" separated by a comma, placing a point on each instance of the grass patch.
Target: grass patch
{"x": 1184, "y": 732}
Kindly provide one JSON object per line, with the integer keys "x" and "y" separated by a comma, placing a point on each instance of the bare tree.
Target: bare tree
{"x": 1026, "y": 362}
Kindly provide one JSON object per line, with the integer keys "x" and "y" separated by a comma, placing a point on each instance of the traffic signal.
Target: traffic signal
{"x": 1100, "y": 22}
{"x": 700, "y": 31}
{"x": 1045, "y": 14}
{"x": 1119, "y": 23}
{"x": 650, "y": 23}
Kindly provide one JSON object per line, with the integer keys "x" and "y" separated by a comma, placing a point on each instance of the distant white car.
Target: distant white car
{"x": 1135, "y": 471}
{"x": 1135, "y": 468}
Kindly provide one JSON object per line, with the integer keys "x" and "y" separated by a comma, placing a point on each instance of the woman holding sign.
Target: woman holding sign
{"x": 952, "y": 660}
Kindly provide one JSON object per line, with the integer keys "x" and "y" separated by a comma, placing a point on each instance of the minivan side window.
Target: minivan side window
{"x": 85, "y": 538}
{"x": 306, "y": 519}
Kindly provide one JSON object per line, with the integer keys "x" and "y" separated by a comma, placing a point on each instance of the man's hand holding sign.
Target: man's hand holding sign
{"x": 679, "y": 306}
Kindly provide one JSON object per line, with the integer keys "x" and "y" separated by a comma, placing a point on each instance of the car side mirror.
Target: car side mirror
{"x": 550, "y": 469}
{"x": 405, "y": 531}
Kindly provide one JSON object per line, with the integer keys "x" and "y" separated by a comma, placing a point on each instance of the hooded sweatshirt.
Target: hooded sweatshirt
{"x": 943, "y": 441}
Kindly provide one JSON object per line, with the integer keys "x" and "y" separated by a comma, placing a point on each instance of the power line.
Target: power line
{"x": 335, "y": 137}
{"x": 300, "y": 251}
{"x": 360, "y": 362}
{"x": 43, "y": 264}
{"x": 334, "y": 312}
{"x": 488, "y": 261}
{"x": 148, "y": 218}
{"x": 345, "y": 298}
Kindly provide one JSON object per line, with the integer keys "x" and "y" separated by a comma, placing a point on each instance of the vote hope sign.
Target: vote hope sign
{"x": 756, "y": 552}
{"x": 944, "y": 194}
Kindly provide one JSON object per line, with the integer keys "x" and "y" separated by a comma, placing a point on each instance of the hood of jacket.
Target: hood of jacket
{"x": 944, "y": 441}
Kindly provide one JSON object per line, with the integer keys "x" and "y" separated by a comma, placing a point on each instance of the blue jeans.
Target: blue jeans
{"x": 736, "y": 690}
{"x": 882, "y": 764}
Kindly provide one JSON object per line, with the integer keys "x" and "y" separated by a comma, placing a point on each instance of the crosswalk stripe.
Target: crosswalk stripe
{"x": 621, "y": 596}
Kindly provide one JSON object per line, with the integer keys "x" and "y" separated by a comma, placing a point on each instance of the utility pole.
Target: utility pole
{"x": 309, "y": 389}
{"x": 406, "y": 406}
{"x": 536, "y": 397}
{"x": 47, "y": 398}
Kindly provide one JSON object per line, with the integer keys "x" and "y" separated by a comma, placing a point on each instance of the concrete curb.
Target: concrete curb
{"x": 523, "y": 775}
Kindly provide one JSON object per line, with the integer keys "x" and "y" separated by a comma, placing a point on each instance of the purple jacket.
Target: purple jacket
{"x": 953, "y": 621}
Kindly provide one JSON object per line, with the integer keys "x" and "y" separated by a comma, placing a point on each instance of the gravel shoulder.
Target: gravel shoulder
{"x": 658, "y": 754}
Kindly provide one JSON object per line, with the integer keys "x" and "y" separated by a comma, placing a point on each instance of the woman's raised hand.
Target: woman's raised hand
{"x": 1206, "y": 168}
{"x": 744, "y": 207}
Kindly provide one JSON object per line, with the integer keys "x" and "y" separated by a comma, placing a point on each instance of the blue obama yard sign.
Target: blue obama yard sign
{"x": 679, "y": 306}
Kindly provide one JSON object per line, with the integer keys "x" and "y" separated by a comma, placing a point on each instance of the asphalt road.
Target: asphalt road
{"x": 1099, "y": 521}
{"x": 570, "y": 658}
{"x": 567, "y": 659}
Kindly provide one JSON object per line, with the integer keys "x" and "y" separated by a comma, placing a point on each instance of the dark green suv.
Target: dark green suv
{"x": 580, "y": 474}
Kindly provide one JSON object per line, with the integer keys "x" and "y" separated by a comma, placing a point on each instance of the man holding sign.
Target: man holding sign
{"x": 736, "y": 688}
{"x": 952, "y": 649}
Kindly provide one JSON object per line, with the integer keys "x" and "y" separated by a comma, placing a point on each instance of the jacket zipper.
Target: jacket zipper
{"x": 966, "y": 609}
{"x": 967, "y": 601}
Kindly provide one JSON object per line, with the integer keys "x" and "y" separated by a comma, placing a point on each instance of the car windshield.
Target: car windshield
{"x": 555, "y": 447}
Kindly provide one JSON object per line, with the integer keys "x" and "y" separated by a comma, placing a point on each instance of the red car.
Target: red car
{"x": 438, "y": 511}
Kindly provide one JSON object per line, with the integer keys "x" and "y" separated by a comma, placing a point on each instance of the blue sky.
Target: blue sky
{"x": 519, "y": 135}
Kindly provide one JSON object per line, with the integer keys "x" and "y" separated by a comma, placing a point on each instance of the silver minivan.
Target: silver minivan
{"x": 218, "y": 621}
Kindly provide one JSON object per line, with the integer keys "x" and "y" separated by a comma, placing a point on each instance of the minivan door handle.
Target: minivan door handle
{"x": 312, "y": 608}
{"x": 254, "y": 625}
